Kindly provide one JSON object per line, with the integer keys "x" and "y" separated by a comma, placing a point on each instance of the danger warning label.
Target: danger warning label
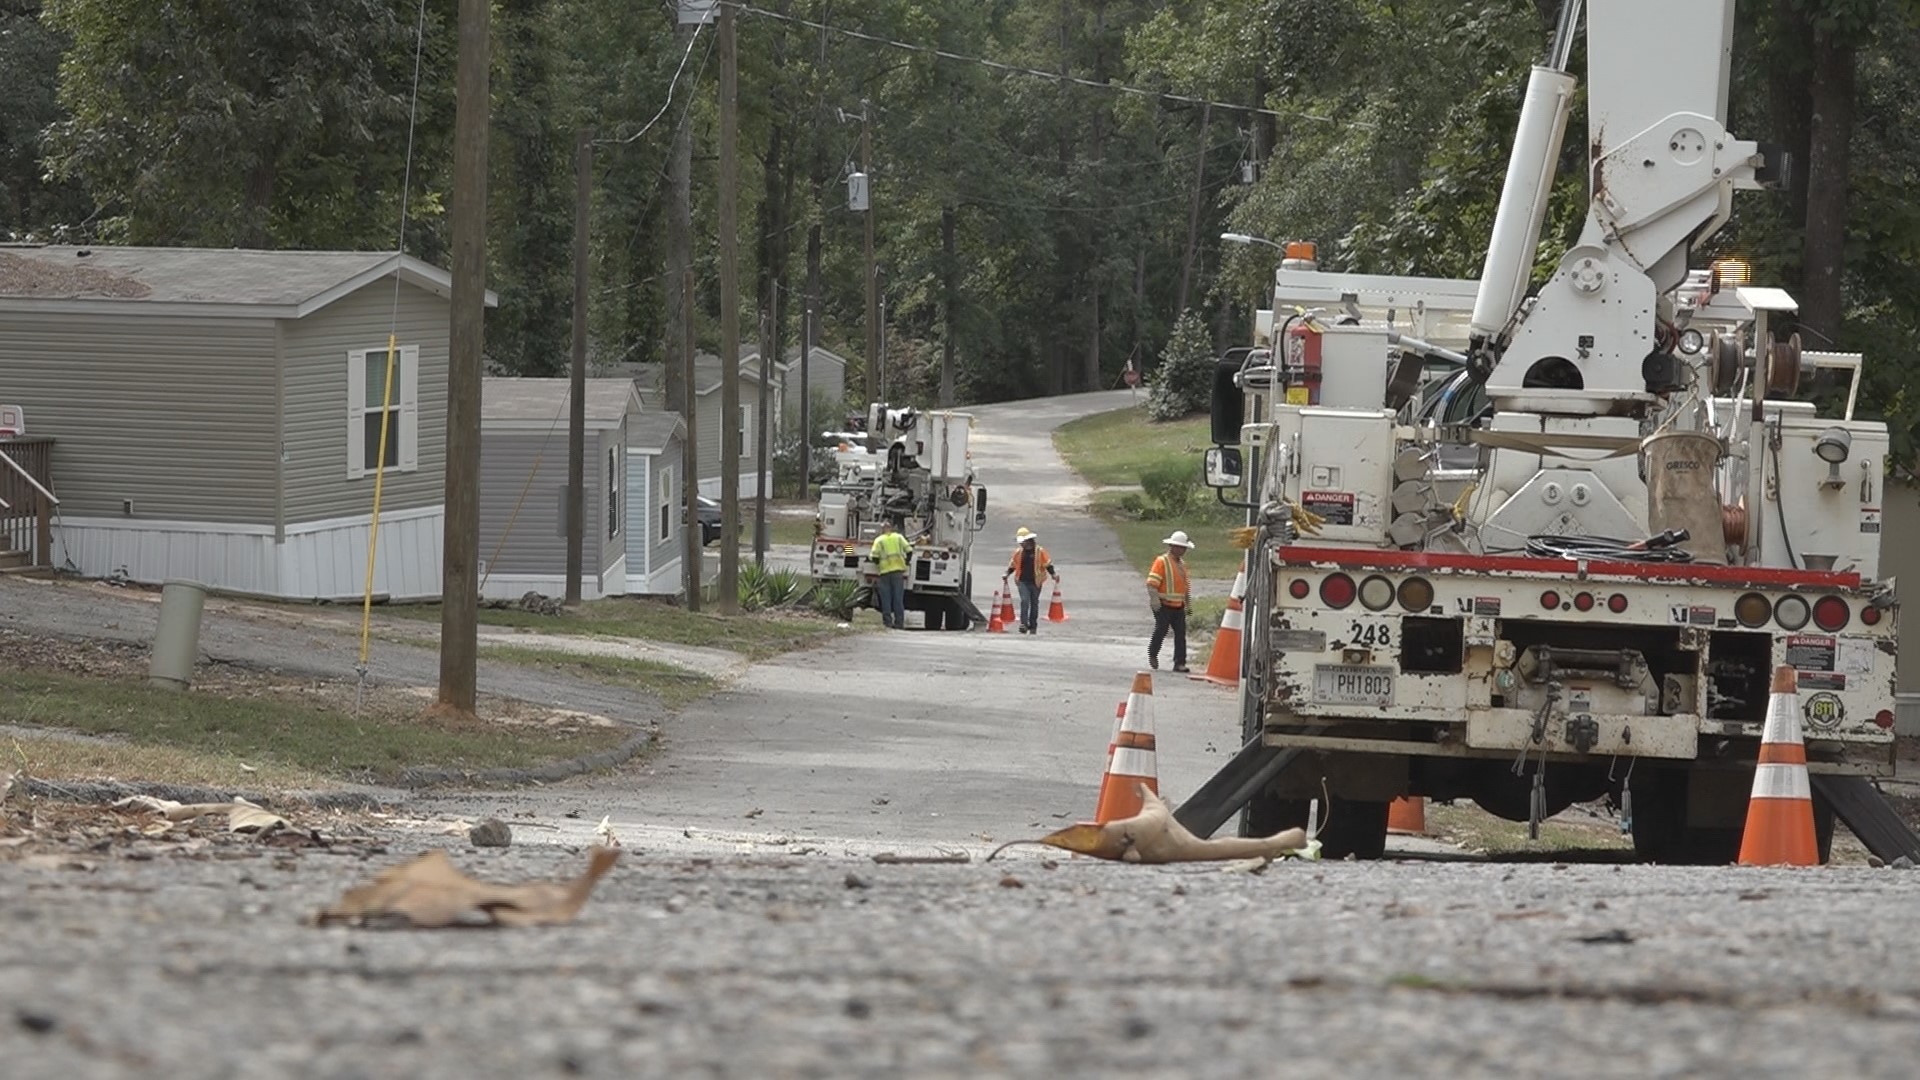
{"x": 1810, "y": 652}
{"x": 1822, "y": 680}
{"x": 1335, "y": 506}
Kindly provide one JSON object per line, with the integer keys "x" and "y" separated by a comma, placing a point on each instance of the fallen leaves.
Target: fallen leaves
{"x": 242, "y": 816}
{"x": 430, "y": 892}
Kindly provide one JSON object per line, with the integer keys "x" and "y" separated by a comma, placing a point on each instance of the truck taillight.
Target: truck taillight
{"x": 1831, "y": 613}
{"x": 1583, "y": 601}
{"x": 1298, "y": 588}
{"x": 1792, "y": 612}
{"x": 1752, "y": 610}
{"x": 1376, "y": 593}
{"x": 1416, "y": 594}
{"x": 1870, "y": 615}
{"x": 1550, "y": 600}
{"x": 1337, "y": 591}
{"x": 1617, "y": 603}
{"x": 1884, "y": 718}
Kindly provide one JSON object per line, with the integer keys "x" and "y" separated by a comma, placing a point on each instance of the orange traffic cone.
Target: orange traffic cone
{"x": 995, "y": 624}
{"x": 1223, "y": 663}
{"x": 1407, "y": 816}
{"x": 1780, "y": 813}
{"x": 1113, "y": 740}
{"x": 1133, "y": 762}
{"x": 1007, "y": 617}
{"x": 1056, "y": 611}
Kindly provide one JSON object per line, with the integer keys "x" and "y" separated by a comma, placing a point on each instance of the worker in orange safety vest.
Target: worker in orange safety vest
{"x": 1168, "y": 593}
{"x": 1030, "y": 561}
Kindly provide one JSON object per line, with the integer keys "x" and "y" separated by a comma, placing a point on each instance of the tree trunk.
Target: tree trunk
{"x": 1193, "y": 215}
{"x": 1790, "y": 96}
{"x": 1824, "y": 255}
{"x": 679, "y": 252}
{"x": 949, "y": 270}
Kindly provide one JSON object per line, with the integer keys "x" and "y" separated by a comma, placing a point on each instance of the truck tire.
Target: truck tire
{"x": 957, "y": 616}
{"x": 1348, "y": 826}
{"x": 937, "y": 611}
{"x": 1661, "y": 834}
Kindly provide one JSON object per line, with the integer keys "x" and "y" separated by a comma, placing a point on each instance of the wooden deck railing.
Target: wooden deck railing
{"x": 26, "y": 498}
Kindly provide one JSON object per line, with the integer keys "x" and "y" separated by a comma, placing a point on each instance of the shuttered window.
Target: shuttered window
{"x": 370, "y": 402}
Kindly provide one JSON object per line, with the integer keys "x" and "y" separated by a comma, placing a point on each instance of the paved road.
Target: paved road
{"x": 721, "y": 968}
{"x": 934, "y": 737}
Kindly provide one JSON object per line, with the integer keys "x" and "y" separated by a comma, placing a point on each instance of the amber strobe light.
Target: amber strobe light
{"x": 1752, "y": 610}
{"x": 1416, "y": 594}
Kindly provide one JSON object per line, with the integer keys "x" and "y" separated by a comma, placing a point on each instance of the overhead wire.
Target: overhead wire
{"x": 672, "y": 84}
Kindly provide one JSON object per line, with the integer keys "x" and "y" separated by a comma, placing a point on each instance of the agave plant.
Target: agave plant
{"x": 839, "y": 599}
{"x": 752, "y": 587}
{"x": 780, "y": 588}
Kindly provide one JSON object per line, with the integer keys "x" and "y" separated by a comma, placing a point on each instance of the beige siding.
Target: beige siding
{"x": 316, "y": 348}
{"x": 174, "y": 414}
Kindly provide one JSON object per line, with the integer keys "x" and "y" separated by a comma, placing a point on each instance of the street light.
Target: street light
{"x": 1243, "y": 238}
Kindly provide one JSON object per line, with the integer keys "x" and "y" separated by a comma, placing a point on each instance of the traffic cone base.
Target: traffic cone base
{"x": 1133, "y": 763}
{"x": 1779, "y": 828}
{"x": 1407, "y": 816}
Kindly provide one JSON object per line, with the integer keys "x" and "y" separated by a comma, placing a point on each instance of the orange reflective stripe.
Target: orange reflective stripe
{"x": 1783, "y": 754}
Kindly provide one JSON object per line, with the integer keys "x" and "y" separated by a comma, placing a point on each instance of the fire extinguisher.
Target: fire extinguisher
{"x": 1303, "y": 362}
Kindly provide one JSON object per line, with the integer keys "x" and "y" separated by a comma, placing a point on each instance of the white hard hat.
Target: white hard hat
{"x": 1178, "y": 539}
{"x": 1025, "y": 534}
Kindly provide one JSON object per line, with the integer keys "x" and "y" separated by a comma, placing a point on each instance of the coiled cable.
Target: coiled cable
{"x": 1662, "y": 548}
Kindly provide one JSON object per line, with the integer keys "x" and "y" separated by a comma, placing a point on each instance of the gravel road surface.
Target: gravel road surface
{"x": 825, "y": 966}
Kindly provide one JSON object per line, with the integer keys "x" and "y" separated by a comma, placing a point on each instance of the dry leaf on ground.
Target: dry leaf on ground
{"x": 431, "y": 892}
{"x": 242, "y": 816}
{"x": 1154, "y": 836}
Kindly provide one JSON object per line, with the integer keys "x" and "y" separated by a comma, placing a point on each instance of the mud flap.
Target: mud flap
{"x": 973, "y": 613}
{"x": 1857, "y": 802}
{"x": 1233, "y": 786}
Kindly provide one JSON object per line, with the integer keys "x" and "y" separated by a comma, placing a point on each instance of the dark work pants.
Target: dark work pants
{"x": 1175, "y": 617}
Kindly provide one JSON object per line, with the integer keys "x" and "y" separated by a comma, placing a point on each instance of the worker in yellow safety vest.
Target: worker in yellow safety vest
{"x": 1168, "y": 595}
{"x": 890, "y": 554}
{"x": 1029, "y": 564}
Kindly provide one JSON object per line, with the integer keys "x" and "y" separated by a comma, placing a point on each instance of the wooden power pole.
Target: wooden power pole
{"x": 577, "y": 388}
{"x": 460, "y": 573}
{"x": 729, "y": 585}
{"x": 690, "y": 531}
{"x": 873, "y": 275}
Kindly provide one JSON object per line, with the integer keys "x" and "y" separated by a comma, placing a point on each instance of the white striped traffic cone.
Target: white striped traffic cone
{"x": 1133, "y": 761}
{"x": 1223, "y": 663}
{"x": 1780, "y": 814}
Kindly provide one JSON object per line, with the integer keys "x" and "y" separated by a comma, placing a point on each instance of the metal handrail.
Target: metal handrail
{"x": 28, "y": 477}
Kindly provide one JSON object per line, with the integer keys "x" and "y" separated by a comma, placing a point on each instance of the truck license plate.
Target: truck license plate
{"x": 1339, "y": 684}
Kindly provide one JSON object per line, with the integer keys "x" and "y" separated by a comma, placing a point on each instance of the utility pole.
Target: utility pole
{"x": 948, "y": 269}
{"x": 460, "y": 572}
{"x": 873, "y": 274}
{"x": 690, "y": 533}
{"x": 729, "y": 319}
{"x": 577, "y": 387}
{"x": 806, "y": 433}
{"x": 769, "y": 320}
{"x": 679, "y": 226}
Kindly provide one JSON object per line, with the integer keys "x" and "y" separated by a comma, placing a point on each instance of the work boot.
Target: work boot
{"x": 1153, "y": 662}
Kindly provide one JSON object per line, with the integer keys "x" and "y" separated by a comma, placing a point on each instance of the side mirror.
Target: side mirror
{"x": 979, "y": 507}
{"x": 1228, "y": 405}
{"x": 1223, "y": 467}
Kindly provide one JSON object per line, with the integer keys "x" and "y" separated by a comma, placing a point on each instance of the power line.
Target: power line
{"x": 671, "y": 84}
{"x": 1050, "y": 76}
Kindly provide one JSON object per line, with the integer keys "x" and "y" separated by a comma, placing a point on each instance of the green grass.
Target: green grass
{"x": 675, "y": 687}
{"x": 780, "y": 530}
{"x": 1112, "y": 448}
{"x": 265, "y": 730}
{"x": 757, "y": 636}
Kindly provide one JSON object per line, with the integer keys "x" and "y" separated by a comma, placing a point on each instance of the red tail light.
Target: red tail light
{"x": 1870, "y": 615}
{"x": 1583, "y": 601}
{"x": 1337, "y": 591}
{"x": 1830, "y": 613}
{"x": 1298, "y": 588}
{"x": 1617, "y": 603}
{"x": 1550, "y": 600}
{"x": 1884, "y": 718}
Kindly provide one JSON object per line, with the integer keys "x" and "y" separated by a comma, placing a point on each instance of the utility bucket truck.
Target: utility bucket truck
{"x": 916, "y": 466}
{"x": 1533, "y": 548}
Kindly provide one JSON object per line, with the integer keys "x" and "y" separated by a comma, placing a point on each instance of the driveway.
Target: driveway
{"x": 934, "y": 738}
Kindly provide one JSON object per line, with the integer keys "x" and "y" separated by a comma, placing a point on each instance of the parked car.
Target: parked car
{"x": 709, "y": 513}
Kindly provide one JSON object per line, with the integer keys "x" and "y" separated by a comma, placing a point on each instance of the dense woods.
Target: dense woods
{"x": 1048, "y": 198}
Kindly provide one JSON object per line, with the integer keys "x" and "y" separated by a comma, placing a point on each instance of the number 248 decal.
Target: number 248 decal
{"x": 1369, "y": 634}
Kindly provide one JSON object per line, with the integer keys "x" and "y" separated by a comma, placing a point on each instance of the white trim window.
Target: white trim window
{"x": 366, "y": 392}
{"x": 746, "y": 431}
{"x": 664, "y": 501}
{"x": 613, "y": 492}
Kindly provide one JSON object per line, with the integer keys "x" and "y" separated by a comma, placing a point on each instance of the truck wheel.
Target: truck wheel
{"x": 957, "y": 616}
{"x": 1349, "y": 826}
{"x": 937, "y": 614}
{"x": 1661, "y": 833}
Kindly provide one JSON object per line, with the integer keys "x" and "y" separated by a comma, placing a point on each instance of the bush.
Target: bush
{"x": 1173, "y": 485}
{"x": 835, "y": 598}
{"x": 1183, "y": 383}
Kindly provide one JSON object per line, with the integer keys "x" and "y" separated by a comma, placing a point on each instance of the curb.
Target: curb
{"x": 552, "y": 772}
{"x": 107, "y": 791}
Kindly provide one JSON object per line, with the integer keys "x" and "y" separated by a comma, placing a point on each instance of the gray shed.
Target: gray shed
{"x": 710, "y": 420}
{"x": 523, "y": 486}
{"x": 654, "y": 519}
{"x": 216, "y": 414}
